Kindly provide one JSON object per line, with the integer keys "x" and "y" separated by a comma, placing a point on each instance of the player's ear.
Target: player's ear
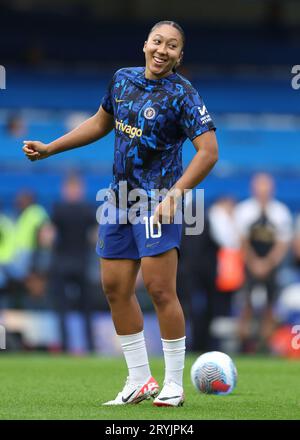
{"x": 145, "y": 45}
{"x": 179, "y": 60}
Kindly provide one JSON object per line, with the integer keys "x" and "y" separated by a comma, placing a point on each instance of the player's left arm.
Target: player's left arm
{"x": 204, "y": 160}
{"x": 202, "y": 163}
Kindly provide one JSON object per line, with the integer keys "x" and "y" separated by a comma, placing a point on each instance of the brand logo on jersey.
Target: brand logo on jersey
{"x": 202, "y": 110}
{"x": 205, "y": 118}
{"x": 149, "y": 113}
{"x": 128, "y": 129}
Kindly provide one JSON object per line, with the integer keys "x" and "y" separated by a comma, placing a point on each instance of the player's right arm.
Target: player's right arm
{"x": 94, "y": 128}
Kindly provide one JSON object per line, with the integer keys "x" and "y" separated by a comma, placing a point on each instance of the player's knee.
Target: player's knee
{"x": 111, "y": 290}
{"x": 160, "y": 294}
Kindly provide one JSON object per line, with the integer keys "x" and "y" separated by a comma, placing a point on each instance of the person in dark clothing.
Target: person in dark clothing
{"x": 73, "y": 219}
{"x": 196, "y": 284}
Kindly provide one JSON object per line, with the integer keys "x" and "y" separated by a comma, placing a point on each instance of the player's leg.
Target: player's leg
{"x": 119, "y": 266}
{"x": 120, "y": 263}
{"x": 159, "y": 274}
{"x": 118, "y": 280}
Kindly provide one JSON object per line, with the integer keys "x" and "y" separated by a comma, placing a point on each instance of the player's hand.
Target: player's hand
{"x": 166, "y": 210}
{"x": 35, "y": 150}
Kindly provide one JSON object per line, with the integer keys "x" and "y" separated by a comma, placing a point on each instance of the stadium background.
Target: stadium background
{"x": 59, "y": 56}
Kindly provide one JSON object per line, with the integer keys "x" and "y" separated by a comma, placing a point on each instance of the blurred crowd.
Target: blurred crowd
{"x": 247, "y": 254}
{"x": 46, "y": 261}
{"x": 238, "y": 267}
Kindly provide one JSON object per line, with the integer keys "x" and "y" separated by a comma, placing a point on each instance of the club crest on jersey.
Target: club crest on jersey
{"x": 149, "y": 113}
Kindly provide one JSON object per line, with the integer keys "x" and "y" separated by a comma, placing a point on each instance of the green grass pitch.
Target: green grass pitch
{"x": 65, "y": 387}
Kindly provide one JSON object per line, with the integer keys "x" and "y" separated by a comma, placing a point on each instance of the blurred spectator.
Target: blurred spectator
{"x": 30, "y": 219}
{"x": 296, "y": 247}
{"x": 196, "y": 284}
{"x": 73, "y": 219}
{"x": 7, "y": 250}
{"x": 37, "y": 279}
{"x": 18, "y": 242}
{"x": 223, "y": 223}
{"x": 265, "y": 225}
{"x": 15, "y": 126}
{"x": 230, "y": 267}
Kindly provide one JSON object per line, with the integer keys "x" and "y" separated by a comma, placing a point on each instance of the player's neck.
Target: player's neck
{"x": 150, "y": 75}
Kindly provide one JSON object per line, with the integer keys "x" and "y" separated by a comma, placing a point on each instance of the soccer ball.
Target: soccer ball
{"x": 214, "y": 373}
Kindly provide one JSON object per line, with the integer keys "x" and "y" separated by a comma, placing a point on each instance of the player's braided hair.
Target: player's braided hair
{"x": 173, "y": 24}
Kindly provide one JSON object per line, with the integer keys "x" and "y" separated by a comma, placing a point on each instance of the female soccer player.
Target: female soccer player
{"x": 152, "y": 110}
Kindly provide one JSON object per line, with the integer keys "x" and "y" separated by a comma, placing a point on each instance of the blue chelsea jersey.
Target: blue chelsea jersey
{"x": 152, "y": 118}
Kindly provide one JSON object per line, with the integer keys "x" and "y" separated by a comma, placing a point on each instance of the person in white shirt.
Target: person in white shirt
{"x": 265, "y": 226}
{"x": 223, "y": 223}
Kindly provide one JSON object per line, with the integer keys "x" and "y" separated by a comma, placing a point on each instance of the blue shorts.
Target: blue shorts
{"x": 135, "y": 241}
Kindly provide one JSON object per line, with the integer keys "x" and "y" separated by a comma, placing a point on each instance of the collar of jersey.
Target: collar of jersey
{"x": 146, "y": 83}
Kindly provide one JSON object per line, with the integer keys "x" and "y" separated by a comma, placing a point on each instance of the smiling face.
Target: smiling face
{"x": 163, "y": 51}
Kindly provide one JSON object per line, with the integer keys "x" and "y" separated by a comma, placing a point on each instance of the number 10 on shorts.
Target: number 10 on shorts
{"x": 150, "y": 228}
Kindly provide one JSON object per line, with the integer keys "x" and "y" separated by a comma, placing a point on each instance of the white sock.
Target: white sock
{"x": 174, "y": 353}
{"x": 134, "y": 349}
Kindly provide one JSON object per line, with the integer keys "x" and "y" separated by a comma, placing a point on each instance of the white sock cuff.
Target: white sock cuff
{"x": 129, "y": 340}
{"x": 173, "y": 340}
{"x": 173, "y": 346}
{"x": 174, "y": 355}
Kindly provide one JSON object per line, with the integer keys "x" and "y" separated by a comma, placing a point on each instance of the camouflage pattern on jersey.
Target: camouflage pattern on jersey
{"x": 153, "y": 118}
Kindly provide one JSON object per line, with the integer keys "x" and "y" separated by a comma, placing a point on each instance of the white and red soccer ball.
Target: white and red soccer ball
{"x": 214, "y": 373}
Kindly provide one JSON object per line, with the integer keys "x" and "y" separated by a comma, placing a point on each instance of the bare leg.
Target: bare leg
{"x": 159, "y": 274}
{"x": 118, "y": 280}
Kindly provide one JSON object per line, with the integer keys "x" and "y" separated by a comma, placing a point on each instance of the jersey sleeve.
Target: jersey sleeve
{"x": 195, "y": 118}
{"x": 107, "y": 100}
